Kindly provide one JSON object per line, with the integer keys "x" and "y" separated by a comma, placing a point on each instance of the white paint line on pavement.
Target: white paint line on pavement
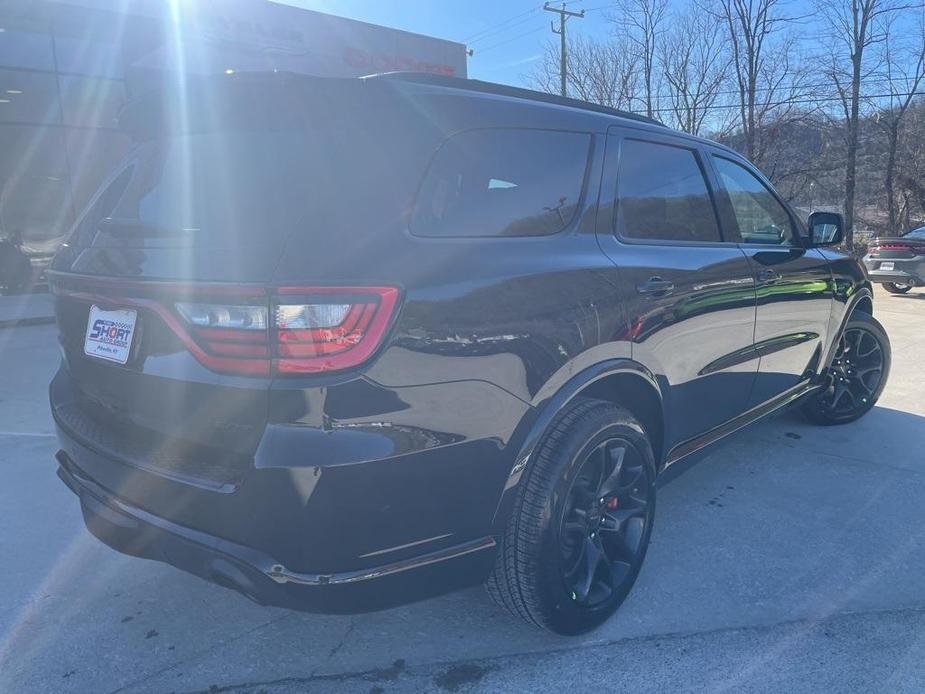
{"x": 33, "y": 434}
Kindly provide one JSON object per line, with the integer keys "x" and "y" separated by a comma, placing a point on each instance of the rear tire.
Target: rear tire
{"x": 858, "y": 374}
{"x": 581, "y": 523}
{"x": 894, "y": 288}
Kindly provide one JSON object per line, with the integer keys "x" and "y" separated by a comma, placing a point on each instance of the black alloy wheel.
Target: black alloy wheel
{"x": 857, "y": 376}
{"x": 894, "y": 288}
{"x": 577, "y": 535}
{"x": 603, "y": 523}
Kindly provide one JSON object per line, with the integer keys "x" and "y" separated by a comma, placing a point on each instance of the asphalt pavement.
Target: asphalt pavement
{"x": 790, "y": 557}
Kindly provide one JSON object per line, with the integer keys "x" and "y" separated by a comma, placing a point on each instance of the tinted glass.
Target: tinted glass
{"x": 916, "y": 234}
{"x": 103, "y": 207}
{"x": 217, "y": 188}
{"x": 761, "y": 218}
{"x": 502, "y": 182}
{"x": 662, "y": 195}
{"x": 86, "y": 56}
{"x": 90, "y": 102}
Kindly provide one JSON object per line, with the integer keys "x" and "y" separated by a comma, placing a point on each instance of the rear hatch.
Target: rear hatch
{"x": 164, "y": 292}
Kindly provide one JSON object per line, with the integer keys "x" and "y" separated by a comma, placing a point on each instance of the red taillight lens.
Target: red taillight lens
{"x": 915, "y": 249}
{"x": 298, "y": 330}
{"x": 321, "y": 329}
{"x": 252, "y": 331}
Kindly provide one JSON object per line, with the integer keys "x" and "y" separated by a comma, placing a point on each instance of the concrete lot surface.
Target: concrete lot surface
{"x": 790, "y": 557}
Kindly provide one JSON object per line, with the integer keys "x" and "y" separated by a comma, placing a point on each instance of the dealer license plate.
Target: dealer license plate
{"x": 110, "y": 333}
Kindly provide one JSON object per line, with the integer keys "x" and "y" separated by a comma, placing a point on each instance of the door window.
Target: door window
{"x": 760, "y": 216}
{"x": 662, "y": 195}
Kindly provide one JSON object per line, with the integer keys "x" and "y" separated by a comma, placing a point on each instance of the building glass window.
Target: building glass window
{"x": 29, "y": 98}
{"x": 35, "y": 193}
{"x": 26, "y": 45}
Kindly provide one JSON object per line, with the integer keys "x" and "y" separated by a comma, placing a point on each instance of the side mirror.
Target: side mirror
{"x": 825, "y": 229}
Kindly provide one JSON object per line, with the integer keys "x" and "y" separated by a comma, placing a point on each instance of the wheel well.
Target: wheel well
{"x": 865, "y": 305}
{"x": 639, "y": 397}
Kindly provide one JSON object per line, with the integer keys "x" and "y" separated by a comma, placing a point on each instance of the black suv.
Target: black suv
{"x": 344, "y": 344}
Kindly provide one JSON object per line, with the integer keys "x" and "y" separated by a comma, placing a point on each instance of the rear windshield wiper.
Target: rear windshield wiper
{"x": 136, "y": 227}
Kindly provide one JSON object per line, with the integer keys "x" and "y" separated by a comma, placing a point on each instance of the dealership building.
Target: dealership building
{"x": 68, "y": 66}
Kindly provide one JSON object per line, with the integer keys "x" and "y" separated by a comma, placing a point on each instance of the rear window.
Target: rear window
{"x": 254, "y": 165}
{"x": 221, "y": 188}
{"x": 502, "y": 182}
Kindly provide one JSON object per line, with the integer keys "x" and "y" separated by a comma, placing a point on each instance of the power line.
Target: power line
{"x": 513, "y": 38}
{"x": 502, "y": 26}
{"x": 802, "y": 87}
{"x": 493, "y": 34}
{"x": 794, "y": 102}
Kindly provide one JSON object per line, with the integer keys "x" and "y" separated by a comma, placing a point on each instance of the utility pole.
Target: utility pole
{"x": 563, "y": 17}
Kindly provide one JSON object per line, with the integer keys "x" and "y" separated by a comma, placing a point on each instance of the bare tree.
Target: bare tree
{"x": 903, "y": 73}
{"x": 768, "y": 74}
{"x": 855, "y": 26}
{"x": 910, "y": 175}
{"x": 640, "y": 23}
{"x": 600, "y": 72}
{"x": 695, "y": 66}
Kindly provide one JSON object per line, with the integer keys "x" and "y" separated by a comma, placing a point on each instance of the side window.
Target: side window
{"x": 502, "y": 182}
{"x": 761, "y": 218}
{"x": 662, "y": 195}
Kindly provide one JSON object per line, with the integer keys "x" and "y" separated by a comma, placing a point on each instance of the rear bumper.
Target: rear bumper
{"x": 895, "y": 278}
{"x": 260, "y": 577}
{"x": 905, "y": 271}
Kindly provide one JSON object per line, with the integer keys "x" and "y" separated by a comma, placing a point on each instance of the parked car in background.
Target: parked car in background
{"x": 15, "y": 268}
{"x": 897, "y": 262}
{"x": 345, "y": 344}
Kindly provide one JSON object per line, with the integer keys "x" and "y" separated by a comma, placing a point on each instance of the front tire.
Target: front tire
{"x": 582, "y": 521}
{"x": 894, "y": 288}
{"x": 857, "y": 376}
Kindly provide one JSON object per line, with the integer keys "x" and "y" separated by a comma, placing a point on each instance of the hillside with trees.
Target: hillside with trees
{"x": 826, "y": 97}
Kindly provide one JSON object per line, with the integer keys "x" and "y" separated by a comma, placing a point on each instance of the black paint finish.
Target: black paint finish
{"x": 401, "y": 473}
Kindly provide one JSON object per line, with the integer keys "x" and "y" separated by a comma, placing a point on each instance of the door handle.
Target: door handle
{"x": 769, "y": 276}
{"x": 655, "y": 285}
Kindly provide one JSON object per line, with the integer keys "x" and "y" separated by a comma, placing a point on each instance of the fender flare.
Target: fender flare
{"x": 863, "y": 292}
{"x": 548, "y": 409}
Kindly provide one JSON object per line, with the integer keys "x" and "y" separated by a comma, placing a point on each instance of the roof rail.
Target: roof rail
{"x": 505, "y": 90}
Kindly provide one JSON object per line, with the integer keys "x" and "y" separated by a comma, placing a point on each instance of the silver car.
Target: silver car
{"x": 897, "y": 262}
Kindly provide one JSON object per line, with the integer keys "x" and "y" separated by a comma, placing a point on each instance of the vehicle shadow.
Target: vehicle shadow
{"x": 910, "y": 295}
{"x": 783, "y": 521}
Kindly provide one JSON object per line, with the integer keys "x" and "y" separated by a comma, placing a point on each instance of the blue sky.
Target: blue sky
{"x": 507, "y": 37}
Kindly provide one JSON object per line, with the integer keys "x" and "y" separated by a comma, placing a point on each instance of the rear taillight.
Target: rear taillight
{"x": 914, "y": 249}
{"x": 294, "y": 330}
{"x": 329, "y": 328}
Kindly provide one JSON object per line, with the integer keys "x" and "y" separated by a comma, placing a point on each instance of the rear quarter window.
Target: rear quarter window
{"x": 502, "y": 182}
